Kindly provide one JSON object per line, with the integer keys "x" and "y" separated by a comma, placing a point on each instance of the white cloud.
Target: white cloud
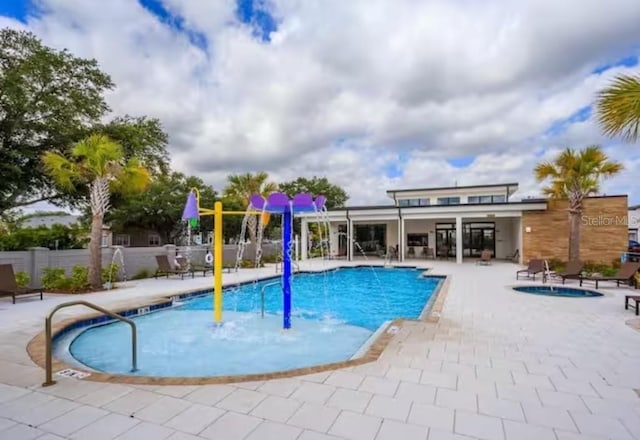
{"x": 344, "y": 87}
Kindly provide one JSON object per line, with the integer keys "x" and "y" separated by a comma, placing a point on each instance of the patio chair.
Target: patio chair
{"x": 411, "y": 252}
{"x": 427, "y": 252}
{"x": 164, "y": 268}
{"x": 485, "y": 257}
{"x": 625, "y": 274}
{"x": 571, "y": 272}
{"x": 535, "y": 266}
{"x": 636, "y": 299}
{"x": 9, "y": 287}
{"x": 514, "y": 257}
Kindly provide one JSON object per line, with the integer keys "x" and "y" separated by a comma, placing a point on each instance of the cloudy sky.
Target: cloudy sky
{"x": 373, "y": 94}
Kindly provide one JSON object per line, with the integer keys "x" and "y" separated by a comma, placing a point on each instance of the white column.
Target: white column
{"x": 303, "y": 239}
{"x": 402, "y": 247}
{"x": 350, "y": 240}
{"x": 400, "y": 235}
{"x": 459, "y": 243}
{"x": 520, "y": 241}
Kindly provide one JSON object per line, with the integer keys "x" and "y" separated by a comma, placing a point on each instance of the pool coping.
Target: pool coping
{"x": 36, "y": 346}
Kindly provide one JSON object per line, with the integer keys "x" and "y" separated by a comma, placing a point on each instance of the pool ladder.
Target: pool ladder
{"x": 274, "y": 283}
{"x": 48, "y": 337}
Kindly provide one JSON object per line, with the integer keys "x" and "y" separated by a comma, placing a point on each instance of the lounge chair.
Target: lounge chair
{"x": 9, "y": 287}
{"x": 571, "y": 272}
{"x": 535, "y": 266}
{"x": 625, "y": 274}
{"x": 636, "y": 299}
{"x": 164, "y": 268}
{"x": 485, "y": 257}
{"x": 514, "y": 257}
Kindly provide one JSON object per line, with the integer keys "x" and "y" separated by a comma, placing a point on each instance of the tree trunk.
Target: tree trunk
{"x": 574, "y": 234}
{"x": 95, "y": 250}
{"x": 99, "y": 205}
{"x": 252, "y": 229}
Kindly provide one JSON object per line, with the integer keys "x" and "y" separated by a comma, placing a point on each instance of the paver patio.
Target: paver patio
{"x": 498, "y": 365}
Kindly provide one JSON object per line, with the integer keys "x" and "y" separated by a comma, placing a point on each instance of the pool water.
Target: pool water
{"x": 558, "y": 291}
{"x": 333, "y": 314}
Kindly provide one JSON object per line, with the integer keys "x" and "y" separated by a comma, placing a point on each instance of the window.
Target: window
{"x": 105, "y": 241}
{"x": 448, "y": 200}
{"x": 499, "y": 199}
{"x": 417, "y": 239}
{"x": 154, "y": 240}
{"x": 487, "y": 199}
{"x": 633, "y": 235}
{"x": 414, "y": 202}
{"x": 121, "y": 240}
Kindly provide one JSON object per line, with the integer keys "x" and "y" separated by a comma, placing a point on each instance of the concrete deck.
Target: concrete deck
{"x": 498, "y": 365}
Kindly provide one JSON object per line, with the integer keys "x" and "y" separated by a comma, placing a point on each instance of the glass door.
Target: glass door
{"x": 445, "y": 240}
{"x": 481, "y": 236}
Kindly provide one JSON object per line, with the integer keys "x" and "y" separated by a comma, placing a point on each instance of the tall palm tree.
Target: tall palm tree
{"x": 573, "y": 176}
{"x": 98, "y": 162}
{"x": 619, "y": 108}
{"x": 242, "y": 186}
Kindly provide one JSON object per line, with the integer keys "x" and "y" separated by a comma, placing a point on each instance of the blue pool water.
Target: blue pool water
{"x": 333, "y": 314}
{"x": 558, "y": 291}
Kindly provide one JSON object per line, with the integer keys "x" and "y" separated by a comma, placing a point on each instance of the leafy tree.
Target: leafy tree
{"x": 48, "y": 100}
{"x": 98, "y": 162}
{"x": 619, "y": 108}
{"x": 140, "y": 137}
{"x": 160, "y": 207}
{"x": 241, "y": 187}
{"x": 573, "y": 176}
{"x": 16, "y": 238}
{"x": 336, "y": 196}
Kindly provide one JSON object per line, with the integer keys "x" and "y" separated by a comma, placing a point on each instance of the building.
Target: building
{"x": 634, "y": 222}
{"x": 431, "y": 222}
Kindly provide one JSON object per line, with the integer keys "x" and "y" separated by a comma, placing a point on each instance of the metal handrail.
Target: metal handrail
{"x": 48, "y": 337}
{"x": 274, "y": 283}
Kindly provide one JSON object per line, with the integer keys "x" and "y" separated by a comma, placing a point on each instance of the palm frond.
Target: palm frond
{"x": 64, "y": 172}
{"x": 575, "y": 174}
{"x": 619, "y": 108}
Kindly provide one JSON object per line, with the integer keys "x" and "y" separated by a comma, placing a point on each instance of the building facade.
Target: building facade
{"x": 461, "y": 222}
{"x": 634, "y": 222}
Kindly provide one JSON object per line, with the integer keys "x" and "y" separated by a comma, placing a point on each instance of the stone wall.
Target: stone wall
{"x": 603, "y": 230}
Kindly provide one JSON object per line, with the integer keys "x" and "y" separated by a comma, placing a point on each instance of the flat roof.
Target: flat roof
{"x": 446, "y": 188}
{"x": 374, "y": 207}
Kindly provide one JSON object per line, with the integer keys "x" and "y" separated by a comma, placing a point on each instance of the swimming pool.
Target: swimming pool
{"x": 567, "y": 292}
{"x": 334, "y": 314}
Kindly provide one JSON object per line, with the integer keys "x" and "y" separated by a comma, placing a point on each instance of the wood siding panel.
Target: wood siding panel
{"x": 604, "y": 232}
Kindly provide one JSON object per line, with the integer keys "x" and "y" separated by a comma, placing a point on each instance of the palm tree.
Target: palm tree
{"x": 573, "y": 176}
{"x": 242, "y": 186}
{"x": 98, "y": 162}
{"x": 619, "y": 108}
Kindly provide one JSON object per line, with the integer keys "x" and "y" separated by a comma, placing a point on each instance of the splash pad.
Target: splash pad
{"x": 275, "y": 203}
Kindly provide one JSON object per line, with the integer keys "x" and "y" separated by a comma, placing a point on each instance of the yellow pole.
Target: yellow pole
{"x": 217, "y": 263}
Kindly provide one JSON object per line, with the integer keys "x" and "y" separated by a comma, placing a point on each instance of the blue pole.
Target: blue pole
{"x": 286, "y": 268}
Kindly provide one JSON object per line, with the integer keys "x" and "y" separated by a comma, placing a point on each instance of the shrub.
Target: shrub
{"x": 79, "y": 280}
{"x": 110, "y": 273}
{"x": 249, "y": 264}
{"x": 143, "y": 273}
{"x": 274, "y": 258}
{"x": 556, "y": 264}
{"x": 22, "y": 279}
{"x": 54, "y": 278}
